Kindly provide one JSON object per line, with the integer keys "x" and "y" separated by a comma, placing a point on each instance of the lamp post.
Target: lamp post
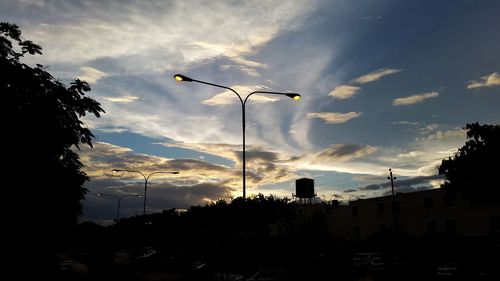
{"x": 146, "y": 179}
{"x": 294, "y": 96}
{"x": 119, "y": 199}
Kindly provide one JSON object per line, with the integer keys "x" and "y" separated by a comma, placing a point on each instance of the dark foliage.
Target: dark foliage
{"x": 42, "y": 128}
{"x": 472, "y": 171}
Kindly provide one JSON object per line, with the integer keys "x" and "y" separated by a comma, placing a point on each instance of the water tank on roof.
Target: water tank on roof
{"x": 304, "y": 188}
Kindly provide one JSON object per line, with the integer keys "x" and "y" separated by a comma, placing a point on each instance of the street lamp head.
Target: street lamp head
{"x": 99, "y": 194}
{"x": 294, "y": 96}
{"x": 182, "y": 78}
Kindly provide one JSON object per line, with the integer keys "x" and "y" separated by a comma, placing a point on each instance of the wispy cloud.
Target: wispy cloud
{"x": 342, "y": 152}
{"x": 228, "y": 97}
{"x": 375, "y": 75}
{"x": 343, "y": 92}
{"x": 491, "y": 80}
{"x": 414, "y": 99}
{"x": 334, "y": 117}
{"x": 259, "y": 160}
{"x": 348, "y": 90}
{"x": 441, "y": 135}
{"x": 405, "y": 123}
{"x": 90, "y": 74}
{"x": 410, "y": 154}
{"x": 122, "y": 99}
{"x": 118, "y": 32}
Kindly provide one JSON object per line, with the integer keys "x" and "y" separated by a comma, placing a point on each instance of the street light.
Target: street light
{"x": 294, "y": 96}
{"x": 119, "y": 199}
{"x": 146, "y": 178}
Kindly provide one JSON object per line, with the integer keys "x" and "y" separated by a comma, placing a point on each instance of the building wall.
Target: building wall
{"x": 418, "y": 213}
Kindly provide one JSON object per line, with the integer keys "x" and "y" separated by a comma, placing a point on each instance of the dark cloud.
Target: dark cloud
{"x": 159, "y": 197}
{"x": 372, "y": 187}
{"x": 407, "y": 189}
{"x": 193, "y": 164}
{"x": 350, "y": 190}
{"x": 412, "y": 182}
{"x": 255, "y": 155}
{"x": 343, "y": 152}
{"x": 405, "y": 184}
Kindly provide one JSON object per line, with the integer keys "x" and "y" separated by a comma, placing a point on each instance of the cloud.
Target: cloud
{"x": 137, "y": 31}
{"x": 161, "y": 196}
{"x": 405, "y": 123}
{"x": 407, "y": 185}
{"x": 104, "y": 157}
{"x": 262, "y": 166}
{"x": 415, "y": 184}
{"x": 375, "y": 75}
{"x": 414, "y": 99}
{"x": 333, "y": 117}
{"x": 410, "y": 154}
{"x": 348, "y": 91}
{"x": 429, "y": 128}
{"x": 228, "y": 97}
{"x": 491, "y": 80}
{"x": 343, "y": 152}
{"x": 90, "y": 74}
{"x": 343, "y": 92}
{"x": 371, "y": 187}
{"x": 122, "y": 99}
{"x": 441, "y": 135}
{"x": 407, "y": 189}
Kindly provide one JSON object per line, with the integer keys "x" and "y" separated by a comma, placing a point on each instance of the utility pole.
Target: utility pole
{"x": 394, "y": 211}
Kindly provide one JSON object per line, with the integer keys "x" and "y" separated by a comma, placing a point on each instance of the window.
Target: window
{"x": 447, "y": 201}
{"x": 396, "y": 206}
{"x": 451, "y": 226}
{"x": 380, "y": 208}
{"x": 429, "y": 202}
{"x": 431, "y": 227}
{"x": 355, "y": 211}
{"x": 495, "y": 224}
{"x": 382, "y": 228}
{"x": 356, "y": 230}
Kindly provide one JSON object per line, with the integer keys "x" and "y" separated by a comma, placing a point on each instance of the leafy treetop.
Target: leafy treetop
{"x": 472, "y": 171}
{"x": 41, "y": 126}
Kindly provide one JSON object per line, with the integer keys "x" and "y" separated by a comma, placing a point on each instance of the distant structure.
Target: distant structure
{"x": 304, "y": 191}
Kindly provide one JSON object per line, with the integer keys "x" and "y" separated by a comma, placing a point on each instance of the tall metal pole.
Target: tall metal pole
{"x": 118, "y": 209}
{"x": 145, "y": 182}
{"x": 244, "y": 149}
{"x": 145, "y": 194}
{"x": 392, "y": 185}
{"x": 395, "y": 216}
{"x": 295, "y": 96}
{"x": 118, "y": 199}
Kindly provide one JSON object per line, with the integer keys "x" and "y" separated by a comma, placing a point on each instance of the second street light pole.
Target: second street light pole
{"x": 294, "y": 96}
{"x": 119, "y": 199}
{"x": 146, "y": 179}
{"x": 394, "y": 205}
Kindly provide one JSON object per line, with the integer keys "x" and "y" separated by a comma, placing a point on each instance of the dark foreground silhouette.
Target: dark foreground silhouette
{"x": 232, "y": 241}
{"x": 261, "y": 238}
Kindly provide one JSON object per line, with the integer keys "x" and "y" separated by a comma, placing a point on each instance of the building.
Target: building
{"x": 415, "y": 214}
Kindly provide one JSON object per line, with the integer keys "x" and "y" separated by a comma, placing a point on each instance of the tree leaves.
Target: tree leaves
{"x": 42, "y": 128}
{"x": 471, "y": 172}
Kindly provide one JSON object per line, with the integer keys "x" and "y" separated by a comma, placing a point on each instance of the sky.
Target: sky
{"x": 384, "y": 84}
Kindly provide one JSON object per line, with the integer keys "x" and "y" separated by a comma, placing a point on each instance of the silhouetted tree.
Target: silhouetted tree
{"x": 41, "y": 129}
{"x": 473, "y": 170}
{"x": 43, "y": 181}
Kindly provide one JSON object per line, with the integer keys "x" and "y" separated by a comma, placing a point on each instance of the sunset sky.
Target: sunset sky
{"x": 384, "y": 84}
